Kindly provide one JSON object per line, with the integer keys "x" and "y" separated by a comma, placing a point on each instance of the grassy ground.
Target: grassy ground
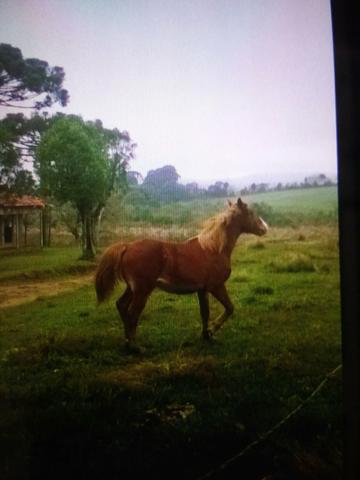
{"x": 35, "y": 263}
{"x": 299, "y": 200}
{"x": 74, "y": 404}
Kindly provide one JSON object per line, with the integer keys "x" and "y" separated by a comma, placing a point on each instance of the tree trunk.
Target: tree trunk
{"x": 96, "y": 221}
{"x": 88, "y": 246}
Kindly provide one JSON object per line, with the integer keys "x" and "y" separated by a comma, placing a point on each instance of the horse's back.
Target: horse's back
{"x": 143, "y": 260}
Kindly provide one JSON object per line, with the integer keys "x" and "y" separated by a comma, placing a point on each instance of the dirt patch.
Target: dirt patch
{"x": 16, "y": 294}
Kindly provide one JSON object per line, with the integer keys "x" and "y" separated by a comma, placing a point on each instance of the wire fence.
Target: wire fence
{"x": 264, "y": 436}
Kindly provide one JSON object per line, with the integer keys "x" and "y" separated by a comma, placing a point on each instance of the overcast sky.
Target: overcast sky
{"x": 220, "y": 89}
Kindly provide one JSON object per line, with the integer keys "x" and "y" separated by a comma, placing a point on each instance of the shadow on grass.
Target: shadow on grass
{"x": 79, "y": 407}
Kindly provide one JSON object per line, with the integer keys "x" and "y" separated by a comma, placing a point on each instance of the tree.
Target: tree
{"x": 218, "y": 189}
{"x": 162, "y": 184}
{"x": 69, "y": 217}
{"x": 134, "y": 177}
{"x": 120, "y": 150}
{"x": 172, "y": 192}
{"x": 253, "y": 188}
{"x": 74, "y": 166}
{"x": 161, "y": 176}
{"x": 193, "y": 190}
{"x": 19, "y": 137}
{"x": 30, "y": 82}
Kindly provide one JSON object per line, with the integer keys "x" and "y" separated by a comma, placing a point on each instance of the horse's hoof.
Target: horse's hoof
{"x": 207, "y": 335}
{"x": 133, "y": 349}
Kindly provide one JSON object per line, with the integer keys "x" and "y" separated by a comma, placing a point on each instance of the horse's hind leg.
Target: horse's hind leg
{"x": 205, "y": 313}
{"x": 222, "y": 296}
{"x": 122, "y": 304}
{"x": 138, "y": 302}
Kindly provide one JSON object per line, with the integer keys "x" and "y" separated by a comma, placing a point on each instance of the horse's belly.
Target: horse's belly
{"x": 178, "y": 288}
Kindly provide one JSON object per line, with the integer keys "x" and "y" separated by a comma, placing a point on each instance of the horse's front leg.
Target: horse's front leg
{"x": 204, "y": 312}
{"x": 220, "y": 293}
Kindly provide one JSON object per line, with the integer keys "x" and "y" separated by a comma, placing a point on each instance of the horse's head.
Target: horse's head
{"x": 245, "y": 220}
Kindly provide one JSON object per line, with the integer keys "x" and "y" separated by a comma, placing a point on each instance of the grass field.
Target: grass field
{"x": 299, "y": 200}
{"x": 75, "y": 405}
{"x": 181, "y": 220}
{"x": 35, "y": 263}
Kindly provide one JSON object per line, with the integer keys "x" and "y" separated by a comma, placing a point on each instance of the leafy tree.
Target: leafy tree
{"x": 162, "y": 184}
{"x": 70, "y": 219}
{"x": 120, "y": 150}
{"x": 161, "y": 176}
{"x": 253, "y": 188}
{"x": 29, "y": 82}
{"x": 134, "y": 177}
{"x": 218, "y": 189}
{"x": 19, "y": 137}
{"x": 172, "y": 192}
{"x": 83, "y": 163}
{"x": 192, "y": 188}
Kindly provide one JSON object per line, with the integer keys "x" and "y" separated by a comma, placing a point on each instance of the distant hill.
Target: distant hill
{"x": 270, "y": 178}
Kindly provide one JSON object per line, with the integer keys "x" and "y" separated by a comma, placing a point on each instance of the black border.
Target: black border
{"x": 346, "y": 34}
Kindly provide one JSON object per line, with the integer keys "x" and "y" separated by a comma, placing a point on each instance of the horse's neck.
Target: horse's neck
{"x": 230, "y": 243}
{"x": 218, "y": 241}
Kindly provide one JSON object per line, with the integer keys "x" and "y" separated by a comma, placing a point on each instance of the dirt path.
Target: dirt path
{"x": 16, "y": 294}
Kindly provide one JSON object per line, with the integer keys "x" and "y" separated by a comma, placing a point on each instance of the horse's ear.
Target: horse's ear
{"x": 230, "y": 203}
{"x": 241, "y": 205}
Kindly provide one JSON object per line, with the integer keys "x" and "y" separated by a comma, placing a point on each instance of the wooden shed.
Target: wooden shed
{"x": 13, "y": 209}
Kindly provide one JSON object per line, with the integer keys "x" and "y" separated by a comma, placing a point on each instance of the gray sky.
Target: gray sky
{"x": 220, "y": 89}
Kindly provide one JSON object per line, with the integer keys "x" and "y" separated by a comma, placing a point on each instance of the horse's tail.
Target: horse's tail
{"x": 109, "y": 271}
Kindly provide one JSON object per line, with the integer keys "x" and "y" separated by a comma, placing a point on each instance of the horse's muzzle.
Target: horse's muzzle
{"x": 263, "y": 227}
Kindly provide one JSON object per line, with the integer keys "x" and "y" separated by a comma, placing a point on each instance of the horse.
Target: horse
{"x": 200, "y": 264}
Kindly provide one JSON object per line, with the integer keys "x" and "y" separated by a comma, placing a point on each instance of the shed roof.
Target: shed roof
{"x": 9, "y": 200}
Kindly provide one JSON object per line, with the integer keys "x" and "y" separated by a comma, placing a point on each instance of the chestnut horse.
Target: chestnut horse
{"x": 199, "y": 265}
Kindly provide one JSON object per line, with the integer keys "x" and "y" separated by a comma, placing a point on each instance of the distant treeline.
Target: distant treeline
{"x": 320, "y": 180}
{"x": 163, "y": 185}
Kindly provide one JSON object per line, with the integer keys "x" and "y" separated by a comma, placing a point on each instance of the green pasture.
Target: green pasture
{"x": 299, "y": 200}
{"x": 74, "y": 404}
{"x": 283, "y": 208}
{"x": 35, "y": 263}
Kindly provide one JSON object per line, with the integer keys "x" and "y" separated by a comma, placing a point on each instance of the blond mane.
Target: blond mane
{"x": 214, "y": 236}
